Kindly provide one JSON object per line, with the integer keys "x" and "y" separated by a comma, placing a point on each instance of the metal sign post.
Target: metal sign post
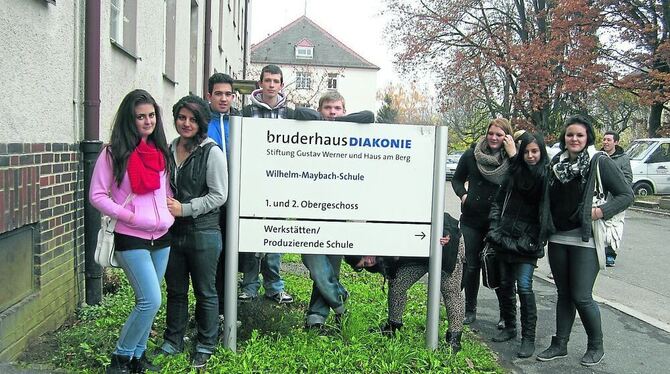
{"x": 435, "y": 263}
{"x": 232, "y": 236}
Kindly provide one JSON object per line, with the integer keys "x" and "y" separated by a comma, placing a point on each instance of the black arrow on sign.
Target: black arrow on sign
{"x": 422, "y": 235}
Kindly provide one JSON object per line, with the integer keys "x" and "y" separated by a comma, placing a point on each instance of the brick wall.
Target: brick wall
{"x": 41, "y": 184}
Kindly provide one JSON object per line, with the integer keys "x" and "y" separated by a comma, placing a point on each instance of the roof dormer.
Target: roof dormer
{"x": 304, "y": 49}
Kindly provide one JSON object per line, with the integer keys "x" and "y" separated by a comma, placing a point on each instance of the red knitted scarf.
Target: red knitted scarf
{"x": 144, "y": 167}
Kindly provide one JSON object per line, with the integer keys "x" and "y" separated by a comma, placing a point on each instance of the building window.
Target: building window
{"x": 304, "y": 52}
{"x": 221, "y": 28}
{"x": 123, "y": 24}
{"x": 303, "y": 80}
{"x": 170, "y": 41}
{"x": 332, "y": 81}
{"x": 194, "y": 62}
{"x": 116, "y": 25}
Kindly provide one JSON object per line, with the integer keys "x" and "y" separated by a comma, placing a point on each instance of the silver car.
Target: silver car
{"x": 452, "y": 162}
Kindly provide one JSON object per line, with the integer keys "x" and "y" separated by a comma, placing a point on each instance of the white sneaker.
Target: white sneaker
{"x": 281, "y": 297}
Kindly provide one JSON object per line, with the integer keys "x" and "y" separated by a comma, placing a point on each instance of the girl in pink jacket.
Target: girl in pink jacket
{"x": 130, "y": 183}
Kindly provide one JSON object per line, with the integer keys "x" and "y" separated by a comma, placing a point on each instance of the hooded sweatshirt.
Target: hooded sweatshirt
{"x": 259, "y": 109}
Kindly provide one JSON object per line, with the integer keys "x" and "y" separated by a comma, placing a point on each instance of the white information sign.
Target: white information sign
{"x": 335, "y": 188}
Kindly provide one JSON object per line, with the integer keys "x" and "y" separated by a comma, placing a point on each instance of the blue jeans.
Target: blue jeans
{"x": 145, "y": 270}
{"x": 196, "y": 254}
{"x": 519, "y": 273}
{"x": 327, "y": 291}
{"x": 272, "y": 282}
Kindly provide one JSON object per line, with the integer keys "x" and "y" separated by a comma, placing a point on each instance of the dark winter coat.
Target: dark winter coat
{"x": 309, "y": 114}
{"x": 481, "y": 193}
{"x": 516, "y": 232}
{"x": 622, "y": 160}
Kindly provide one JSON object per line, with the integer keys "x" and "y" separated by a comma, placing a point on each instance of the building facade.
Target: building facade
{"x": 168, "y": 47}
{"x": 313, "y": 62}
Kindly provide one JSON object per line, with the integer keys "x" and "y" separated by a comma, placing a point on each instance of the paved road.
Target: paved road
{"x": 635, "y": 305}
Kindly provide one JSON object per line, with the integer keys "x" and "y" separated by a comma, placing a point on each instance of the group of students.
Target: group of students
{"x": 516, "y": 200}
{"x": 169, "y": 200}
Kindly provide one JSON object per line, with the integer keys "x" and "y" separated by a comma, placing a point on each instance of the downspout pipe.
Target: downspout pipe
{"x": 207, "y": 60}
{"x": 245, "y": 52}
{"x": 90, "y": 147}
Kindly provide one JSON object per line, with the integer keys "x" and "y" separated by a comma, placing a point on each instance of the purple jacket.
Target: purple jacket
{"x": 149, "y": 214}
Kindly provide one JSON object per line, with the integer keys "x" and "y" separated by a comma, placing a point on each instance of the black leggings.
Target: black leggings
{"x": 575, "y": 270}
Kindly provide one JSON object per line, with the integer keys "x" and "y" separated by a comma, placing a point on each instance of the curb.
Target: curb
{"x": 620, "y": 307}
{"x": 650, "y": 211}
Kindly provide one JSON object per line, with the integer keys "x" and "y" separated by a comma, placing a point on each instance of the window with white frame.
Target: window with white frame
{"x": 332, "y": 81}
{"x": 116, "y": 22}
{"x": 303, "y": 80}
{"x": 304, "y": 52}
{"x": 170, "y": 39}
{"x": 123, "y": 24}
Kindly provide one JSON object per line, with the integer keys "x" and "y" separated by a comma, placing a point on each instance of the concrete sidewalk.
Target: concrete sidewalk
{"x": 631, "y": 346}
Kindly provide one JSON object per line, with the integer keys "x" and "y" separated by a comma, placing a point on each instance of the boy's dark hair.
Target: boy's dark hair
{"x": 615, "y": 135}
{"x": 272, "y": 69}
{"x": 581, "y": 120}
{"x": 219, "y": 78}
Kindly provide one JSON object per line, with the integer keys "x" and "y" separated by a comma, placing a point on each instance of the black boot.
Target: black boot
{"x": 120, "y": 365}
{"x": 557, "y": 349}
{"x": 471, "y": 285}
{"x": 470, "y": 316}
{"x": 507, "y": 305}
{"x": 388, "y": 329}
{"x": 528, "y": 323}
{"x": 454, "y": 341}
{"x": 508, "y": 333}
{"x": 594, "y": 353}
{"x": 501, "y": 320}
{"x": 142, "y": 365}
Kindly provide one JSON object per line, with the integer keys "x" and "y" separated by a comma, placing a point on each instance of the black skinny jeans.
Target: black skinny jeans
{"x": 575, "y": 270}
{"x": 196, "y": 255}
{"x": 474, "y": 244}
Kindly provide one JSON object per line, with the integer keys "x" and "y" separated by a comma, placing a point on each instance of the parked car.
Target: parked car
{"x": 650, "y": 162}
{"x": 452, "y": 162}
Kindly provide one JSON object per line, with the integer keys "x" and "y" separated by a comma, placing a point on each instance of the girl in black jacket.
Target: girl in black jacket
{"x": 572, "y": 254}
{"x": 484, "y": 167}
{"x": 516, "y": 238}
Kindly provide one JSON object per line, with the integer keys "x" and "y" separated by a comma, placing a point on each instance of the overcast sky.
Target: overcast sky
{"x": 356, "y": 23}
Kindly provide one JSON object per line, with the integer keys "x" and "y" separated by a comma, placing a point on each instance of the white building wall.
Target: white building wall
{"x": 121, "y": 73}
{"x": 40, "y": 72}
{"x": 43, "y": 65}
{"x": 358, "y": 86}
{"x": 231, "y": 46}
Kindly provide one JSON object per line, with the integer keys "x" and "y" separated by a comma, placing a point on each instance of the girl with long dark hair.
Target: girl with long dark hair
{"x": 517, "y": 237}
{"x": 130, "y": 183}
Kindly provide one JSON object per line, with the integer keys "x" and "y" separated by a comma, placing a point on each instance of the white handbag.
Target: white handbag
{"x": 104, "y": 248}
{"x": 605, "y": 232}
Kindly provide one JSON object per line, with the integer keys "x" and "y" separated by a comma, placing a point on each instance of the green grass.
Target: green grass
{"x": 272, "y": 340}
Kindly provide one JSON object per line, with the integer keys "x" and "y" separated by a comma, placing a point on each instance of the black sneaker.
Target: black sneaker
{"x": 142, "y": 365}
{"x": 200, "y": 360}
